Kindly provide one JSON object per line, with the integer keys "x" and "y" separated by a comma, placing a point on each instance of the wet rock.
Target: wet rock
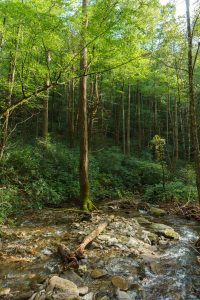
{"x": 112, "y": 241}
{"x": 120, "y": 282}
{"x": 164, "y": 230}
{"x": 23, "y": 296}
{"x": 83, "y": 290}
{"x": 63, "y": 287}
{"x": 72, "y": 276}
{"x": 155, "y": 267}
{"x": 147, "y": 258}
{"x": 88, "y": 296}
{"x": 123, "y": 295}
{"x": 163, "y": 242}
{"x": 95, "y": 245}
{"x": 132, "y": 242}
{"x": 153, "y": 238}
{"x": 104, "y": 237}
{"x": 83, "y": 269}
{"x": 4, "y": 291}
{"x": 98, "y": 273}
{"x": 157, "y": 212}
{"x": 142, "y": 220}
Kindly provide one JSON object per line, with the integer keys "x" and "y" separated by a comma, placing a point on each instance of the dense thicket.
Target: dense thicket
{"x": 128, "y": 61}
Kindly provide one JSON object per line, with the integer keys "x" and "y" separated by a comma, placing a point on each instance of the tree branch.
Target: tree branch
{"x": 195, "y": 23}
{"x": 26, "y": 99}
{"x": 195, "y": 58}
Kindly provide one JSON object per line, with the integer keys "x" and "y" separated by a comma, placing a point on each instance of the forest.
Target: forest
{"x": 99, "y": 115}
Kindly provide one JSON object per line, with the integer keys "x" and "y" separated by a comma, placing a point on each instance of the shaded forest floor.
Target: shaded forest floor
{"x": 36, "y": 177}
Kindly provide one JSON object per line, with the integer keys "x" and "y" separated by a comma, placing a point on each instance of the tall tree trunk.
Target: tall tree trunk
{"x": 193, "y": 119}
{"x": 45, "y": 111}
{"x": 128, "y": 121}
{"x": 117, "y": 126}
{"x": 94, "y": 109}
{"x": 123, "y": 122}
{"x": 155, "y": 116}
{"x": 181, "y": 117}
{"x": 167, "y": 117}
{"x": 188, "y": 135}
{"x": 176, "y": 150}
{"x": 139, "y": 120}
{"x": 84, "y": 180}
{"x": 70, "y": 106}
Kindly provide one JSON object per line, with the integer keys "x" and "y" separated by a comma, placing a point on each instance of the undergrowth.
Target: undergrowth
{"x": 34, "y": 176}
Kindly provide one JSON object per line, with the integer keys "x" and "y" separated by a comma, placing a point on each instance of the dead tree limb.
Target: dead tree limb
{"x": 89, "y": 238}
{"x": 73, "y": 257}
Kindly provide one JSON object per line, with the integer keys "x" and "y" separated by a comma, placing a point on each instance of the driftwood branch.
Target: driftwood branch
{"x": 89, "y": 238}
{"x": 74, "y": 257}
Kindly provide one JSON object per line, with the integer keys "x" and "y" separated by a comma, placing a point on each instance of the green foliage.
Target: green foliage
{"x": 8, "y": 199}
{"x": 121, "y": 174}
{"x": 48, "y": 175}
{"x": 34, "y": 176}
{"x": 176, "y": 191}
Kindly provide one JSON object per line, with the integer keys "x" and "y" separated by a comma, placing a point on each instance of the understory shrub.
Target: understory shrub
{"x": 177, "y": 191}
{"x": 8, "y": 201}
{"x": 35, "y": 176}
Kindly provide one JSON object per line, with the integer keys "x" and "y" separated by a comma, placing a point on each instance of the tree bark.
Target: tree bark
{"x": 139, "y": 120}
{"x": 176, "y": 152}
{"x": 45, "y": 112}
{"x": 94, "y": 109}
{"x": 129, "y": 121}
{"x": 83, "y": 175}
{"x": 193, "y": 118}
{"x": 123, "y": 121}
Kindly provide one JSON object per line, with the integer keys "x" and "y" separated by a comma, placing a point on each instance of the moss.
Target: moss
{"x": 87, "y": 203}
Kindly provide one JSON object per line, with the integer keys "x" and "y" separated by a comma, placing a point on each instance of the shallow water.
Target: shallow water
{"x": 179, "y": 276}
{"x": 29, "y": 254}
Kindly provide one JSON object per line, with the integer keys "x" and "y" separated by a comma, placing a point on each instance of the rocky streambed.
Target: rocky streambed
{"x": 142, "y": 254}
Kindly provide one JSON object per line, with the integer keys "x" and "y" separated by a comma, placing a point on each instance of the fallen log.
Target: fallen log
{"x": 89, "y": 238}
{"x": 74, "y": 256}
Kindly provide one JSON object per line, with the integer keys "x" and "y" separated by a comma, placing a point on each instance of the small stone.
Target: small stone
{"x": 72, "y": 276}
{"x": 158, "y": 212}
{"x": 132, "y": 242}
{"x": 98, "y": 273}
{"x": 123, "y": 295}
{"x": 120, "y": 283}
{"x": 83, "y": 268}
{"x": 94, "y": 245}
{"x": 104, "y": 237}
{"x": 88, "y": 296}
{"x": 4, "y": 291}
{"x": 164, "y": 230}
{"x": 142, "y": 220}
{"x": 62, "y": 286}
{"x": 112, "y": 241}
{"x": 83, "y": 290}
{"x": 155, "y": 267}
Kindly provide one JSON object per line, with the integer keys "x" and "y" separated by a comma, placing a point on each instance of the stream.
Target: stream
{"x": 160, "y": 269}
